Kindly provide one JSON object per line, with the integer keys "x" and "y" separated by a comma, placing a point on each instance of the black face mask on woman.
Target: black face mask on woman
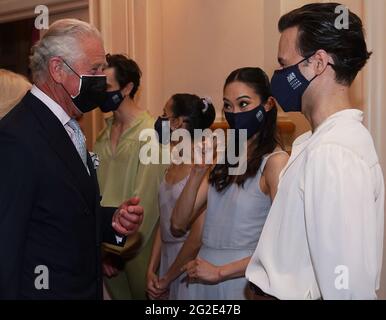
{"x": 162, "y": 127}
{"x": 250, "y": 120}
{"x": 92, "y": 91}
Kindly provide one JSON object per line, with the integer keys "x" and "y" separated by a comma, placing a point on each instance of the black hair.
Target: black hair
{"x": 317, "y": 30}
{"x": 126, "y": 71}
{"x": 198, "y": 113}
{"x": 265, "y": 141}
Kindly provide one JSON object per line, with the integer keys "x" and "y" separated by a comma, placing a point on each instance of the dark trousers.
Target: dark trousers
{"x": 258, "y": 294}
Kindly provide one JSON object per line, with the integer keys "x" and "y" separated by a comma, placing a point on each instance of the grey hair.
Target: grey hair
{"x": 62, "y": 39}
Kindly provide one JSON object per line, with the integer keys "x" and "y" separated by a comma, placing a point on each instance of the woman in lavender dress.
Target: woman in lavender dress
{"x": 236, "y": 205}
{"x": 188, "y": 112}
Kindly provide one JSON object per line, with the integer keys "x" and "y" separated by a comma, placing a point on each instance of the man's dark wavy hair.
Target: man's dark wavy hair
{"x": 317, "y": 30}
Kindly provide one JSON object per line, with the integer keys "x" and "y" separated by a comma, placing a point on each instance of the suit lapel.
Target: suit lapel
{"x": 59, "y": 140}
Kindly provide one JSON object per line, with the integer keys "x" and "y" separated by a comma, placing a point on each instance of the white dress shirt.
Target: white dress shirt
{"x": 57, "y": 110}
{"x": 323, "y": 237}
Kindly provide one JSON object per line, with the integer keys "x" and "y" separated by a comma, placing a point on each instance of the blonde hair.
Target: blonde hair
{"x": 13, "y": 87}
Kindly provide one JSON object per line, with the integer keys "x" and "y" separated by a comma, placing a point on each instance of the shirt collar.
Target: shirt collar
{"x": 109, "y": 121}
{"x": 55, "y": 108}
{"x": 347, "y": 114}
{"x": 353, "y": 114}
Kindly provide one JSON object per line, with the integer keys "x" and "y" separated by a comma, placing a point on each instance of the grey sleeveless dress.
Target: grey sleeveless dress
{"x": 168, "y": 196}
{"x": 234, "y": 221}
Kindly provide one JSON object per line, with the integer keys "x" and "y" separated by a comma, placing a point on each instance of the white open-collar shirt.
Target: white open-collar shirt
{"x": 323, "y": 237}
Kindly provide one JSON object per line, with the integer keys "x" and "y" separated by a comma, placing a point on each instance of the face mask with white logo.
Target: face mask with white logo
{"x": 288, "y": 87}
{"x": 249, "y": 120}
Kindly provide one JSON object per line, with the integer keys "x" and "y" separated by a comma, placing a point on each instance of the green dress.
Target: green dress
{"x": 122, "y": 176}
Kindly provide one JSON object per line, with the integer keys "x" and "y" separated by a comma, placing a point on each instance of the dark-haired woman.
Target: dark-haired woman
{"x": 236, "y": 206}
{"x": 189, "y": 112}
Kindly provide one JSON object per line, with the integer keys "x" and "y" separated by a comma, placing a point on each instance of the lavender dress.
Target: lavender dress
{"x": 232, "y": 228}
{"x": 168, "y": 196}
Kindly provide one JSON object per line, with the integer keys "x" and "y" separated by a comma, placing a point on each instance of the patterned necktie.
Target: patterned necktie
{"x": 79, "y": 140}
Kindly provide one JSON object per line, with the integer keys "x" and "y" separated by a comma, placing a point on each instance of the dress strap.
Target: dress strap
{"x": 266, "y": 158}
{"x": 184, "y": 180}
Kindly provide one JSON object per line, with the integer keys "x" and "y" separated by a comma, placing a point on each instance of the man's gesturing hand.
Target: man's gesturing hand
{"x": 128, "y": 217}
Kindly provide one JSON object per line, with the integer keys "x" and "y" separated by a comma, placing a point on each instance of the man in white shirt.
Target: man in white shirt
{"x": 323, "y": 238}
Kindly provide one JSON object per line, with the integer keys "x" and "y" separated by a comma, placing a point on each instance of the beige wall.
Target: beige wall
{"x": 185, "y": 46}
{"x": 205, "y": 41}
{"x": 192, "y": 45}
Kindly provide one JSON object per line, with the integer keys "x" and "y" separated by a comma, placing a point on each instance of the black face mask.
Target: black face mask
{"x": 162, "y": 127}
{"x": 249, "y": 120}
{"x": 113, "y": 101}
{"x": 92, "y": 91}
{"x": 289, "y": 85}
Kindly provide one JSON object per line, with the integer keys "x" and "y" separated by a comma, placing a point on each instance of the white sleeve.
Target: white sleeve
{"x": 341, "y": 223}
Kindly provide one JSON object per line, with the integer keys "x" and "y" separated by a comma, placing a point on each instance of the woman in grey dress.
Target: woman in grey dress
{"x": 236, "y": 206}
{"x": 188, "y": 112}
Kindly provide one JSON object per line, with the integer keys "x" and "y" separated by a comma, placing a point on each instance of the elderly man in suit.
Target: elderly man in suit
{"x": 51, "y": 221}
